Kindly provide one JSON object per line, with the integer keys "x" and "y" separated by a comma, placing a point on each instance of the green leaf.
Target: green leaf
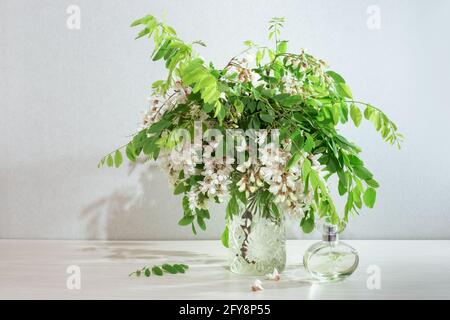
{"x": 101, "y": 163}
{"x": 357, "y": 197}
{"x": 336, "y": 113}
{"x": 232, "y": 207}
{"x": 149, "y": 147}
{"x": 293, "y": 160}
{"x": 196, "y": 73}
{"x": 314, "y": 179}
{"x": 158, "y": 83}
{"x": 335, "y": 76}
{"x": 147, "y": 272}
{"x": 143, "y": 33}
{"x": 348, "y": 205}
{"x": 159, "y": 126}
{"x": 344, "y": 112}
{"x": 239, "y": 105}
{"x": 162, "y": 50}
{"x": 342, "y": 189}
{"x": 179, "y": 268}
{"x": 203, "y": 213}
{"x": 201, "y": 223}
{"x": 307, "y": 224}
{"x": 362, "y": 172}
{"x": 309, "y": 144}
{"x": 118, "y": 158}
{"x": 169, "y": 268}
{"x": 224, "y": 237}
{"x": 266, "y": 117}
{"x": 248, "y": 43}
{"x": 259, "y": 57}
{"x": 344, "y": 90}
{"x": 355, "y": 161}
{"x": 157, "y": 270}
{"x": 287, "y": 99}
{"x": 142, "y": 20}
{"x": 306, "y": 168}
{"x": 368, "y": 112}
{"x": 282, "y": 46}
{"x": 130, "y": 152}
{"x": 220, "y": 111}
{"x": 373, "y": 183}
{"x": 356, "y": 115}
{"x": 109, "y": 160}
{"x": 180, "y": 188}
{"x": 275, "y": 210}
{"x": 342, "y": 177}
{"x": 186, "y": 220}
{"x": 207, "y": 107}
{"x": 369, "y": 197}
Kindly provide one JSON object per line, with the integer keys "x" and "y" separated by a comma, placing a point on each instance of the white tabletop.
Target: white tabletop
{"x": 388, "y": 270}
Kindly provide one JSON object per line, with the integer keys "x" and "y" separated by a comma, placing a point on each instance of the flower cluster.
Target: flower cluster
{"x": 160, "y": 104}
{"x": 215, "y": 174}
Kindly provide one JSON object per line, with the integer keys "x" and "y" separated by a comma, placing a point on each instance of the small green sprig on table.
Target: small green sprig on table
{"x": 160, "y": 270}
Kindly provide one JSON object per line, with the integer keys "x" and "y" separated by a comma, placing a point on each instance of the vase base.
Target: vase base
{"x": 240, "y": 267}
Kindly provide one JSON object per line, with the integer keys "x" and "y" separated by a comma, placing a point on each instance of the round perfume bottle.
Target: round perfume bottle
{"x": 330, "y": 259}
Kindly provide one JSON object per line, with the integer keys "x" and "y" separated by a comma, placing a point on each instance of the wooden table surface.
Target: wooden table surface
{"x": 32, "y": 269}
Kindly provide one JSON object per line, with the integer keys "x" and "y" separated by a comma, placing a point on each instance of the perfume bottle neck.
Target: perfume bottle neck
{"x": 330, "y": 233}
{"x": 330, "y": 237}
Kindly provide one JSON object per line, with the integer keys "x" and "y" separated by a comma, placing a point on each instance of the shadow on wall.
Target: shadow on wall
{"x": 137, "y": 212}
{"x": 146, "y": 209}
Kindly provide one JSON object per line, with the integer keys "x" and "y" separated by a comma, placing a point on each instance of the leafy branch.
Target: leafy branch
{"x": 159, "y": 270}
{"x": 168, "y": 47}
{"x": 380, "y": 121}
{"x": 275, "y": 25}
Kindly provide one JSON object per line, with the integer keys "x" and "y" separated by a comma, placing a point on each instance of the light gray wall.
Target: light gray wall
{"x": 69, "y": 96}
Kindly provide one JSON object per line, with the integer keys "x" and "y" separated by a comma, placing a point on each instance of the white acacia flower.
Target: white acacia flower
{"x": 184, "y": 159}
{"x": 255, "y": 79}
{"x": 315, "y": 164}
{"x": 271, "y": 155}
{"x": 295, "y": 209}
{"x": 261, "y": 137}
{"x": 248, "y": 57}
{"x": 181, "y": 93}
{"x": 223, "y": 96}
{"x": 196, "y": 113}
{"x": 257, "y": 285}
{"x": 193, "y": 199}
{"x": 250, "y": 182}
{"x": 243, "y": 167}
{"x": 242, "y": 145}
{"x": 275, "y": 276}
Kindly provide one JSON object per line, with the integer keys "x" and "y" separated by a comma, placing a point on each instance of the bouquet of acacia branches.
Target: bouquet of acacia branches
{"x": 261, "y": 132}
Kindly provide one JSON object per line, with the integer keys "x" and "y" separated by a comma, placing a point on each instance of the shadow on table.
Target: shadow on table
{"x": 116, "y": 252}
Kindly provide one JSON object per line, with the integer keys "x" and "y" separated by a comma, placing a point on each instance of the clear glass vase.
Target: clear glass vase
{"x": 257, "y": 244}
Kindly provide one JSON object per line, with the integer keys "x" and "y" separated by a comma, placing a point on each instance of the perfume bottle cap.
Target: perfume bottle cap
{"x": 330, "y": 232}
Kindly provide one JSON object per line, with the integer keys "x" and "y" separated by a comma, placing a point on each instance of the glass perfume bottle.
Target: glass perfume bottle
{"x": 330, "y": 259}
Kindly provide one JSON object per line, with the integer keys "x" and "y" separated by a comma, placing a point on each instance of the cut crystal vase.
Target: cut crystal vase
{"x": 257, "y": 244}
